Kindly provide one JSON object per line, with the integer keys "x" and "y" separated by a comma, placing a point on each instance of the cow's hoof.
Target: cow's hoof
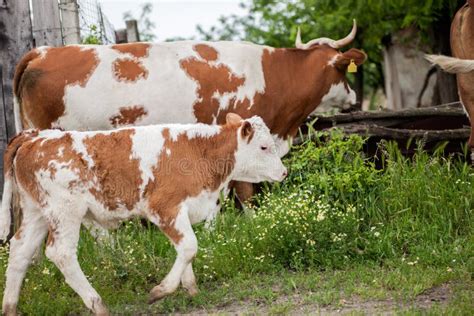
{"x": 157, "y": 293}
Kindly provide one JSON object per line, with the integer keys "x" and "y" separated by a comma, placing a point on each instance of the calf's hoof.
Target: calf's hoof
{"x": 192, "y": 290}
{"x": 157, "y": 293}
{"x": 99, "y": 308}
{"x": 9, "y": 310}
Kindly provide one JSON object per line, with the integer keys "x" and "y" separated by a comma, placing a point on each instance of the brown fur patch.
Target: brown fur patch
{"x": 51, "y": 235}
{"x": 211, "y": 79}
{"x": 118, "y": 175}
{"x": 295, "y": 82}
{"x": 138, "y": 50}
{"x": 36, "y": 155}
{"x": 130, "y": 70}
{"x": 40, "y": 82}
{"x": 193, "y": 165}
{"x": 206, "y": 52}
{"x": 128, "y": 115}
{"x": 462, "y": 46}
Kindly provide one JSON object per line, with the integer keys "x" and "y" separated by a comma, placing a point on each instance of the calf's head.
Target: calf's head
{"x": 256, "y": 158}
{"x": 332, "y": 66}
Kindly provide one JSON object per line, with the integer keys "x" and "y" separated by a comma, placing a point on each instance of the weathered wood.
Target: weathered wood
{"x": 70, "y": 21}
{"x": 15, "y": 40}
{"x": 454, "y": 111}
{"x": 121, "y": 36}
{"x": 132, "y": 31}
{"x": 46, "y": 23}
{"x": 395, "y": 133}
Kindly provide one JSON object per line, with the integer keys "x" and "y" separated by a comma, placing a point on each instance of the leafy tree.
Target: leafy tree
{"x": 275, "y": 23}
{"x": 145, "y": 25}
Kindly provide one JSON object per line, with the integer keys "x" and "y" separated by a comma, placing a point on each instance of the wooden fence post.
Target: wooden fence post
{"x": 70, "y": 21}
{"x": 132, "y": 31}
{"x": 15, "y": 40}
{"x": 47, "y": 23}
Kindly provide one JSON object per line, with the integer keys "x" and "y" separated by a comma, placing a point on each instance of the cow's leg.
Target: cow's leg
{"x": 23, "y": 246}
{"x": 185, "y": 242}
{"x": 62, "y": 250}
{"x": 188, "y": 280}
{"x": 244, "y": 191}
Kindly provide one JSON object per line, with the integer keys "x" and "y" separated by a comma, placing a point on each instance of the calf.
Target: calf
{"x": 462, "y": 64}
{"x": 169, "y": 174}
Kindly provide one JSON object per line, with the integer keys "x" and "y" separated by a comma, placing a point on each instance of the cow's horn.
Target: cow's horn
{"x": 324, "y": 40}
{"x": 298, "y": 42}
{"x": 349, "y": 38}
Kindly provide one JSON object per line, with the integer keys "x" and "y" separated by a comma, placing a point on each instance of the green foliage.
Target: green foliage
{"x": 335, "y": 211}
{"x": 275, "y": 23}
{"x": 146, "y": 26}
{"x": 93, "y": 37}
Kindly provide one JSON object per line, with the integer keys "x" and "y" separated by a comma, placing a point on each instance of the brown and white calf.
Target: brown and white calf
{"x": 86, "y": 87}
{"x": 462, "y": 64}
{"x": 169, "y": 174}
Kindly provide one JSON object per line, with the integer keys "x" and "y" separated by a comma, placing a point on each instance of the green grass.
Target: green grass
{"x": 337, "y": 230}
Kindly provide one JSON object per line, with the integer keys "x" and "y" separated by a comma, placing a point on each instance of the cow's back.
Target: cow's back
{"x": 87, "y": 87}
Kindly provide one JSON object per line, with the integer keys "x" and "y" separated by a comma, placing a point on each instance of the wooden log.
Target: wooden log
{"x": 46, "y": 23}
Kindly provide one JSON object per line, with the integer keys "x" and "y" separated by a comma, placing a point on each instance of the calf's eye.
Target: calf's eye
{"x": 263, "y": 147}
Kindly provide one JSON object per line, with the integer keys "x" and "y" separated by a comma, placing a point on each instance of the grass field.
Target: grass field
{"x": 337, "y": 235}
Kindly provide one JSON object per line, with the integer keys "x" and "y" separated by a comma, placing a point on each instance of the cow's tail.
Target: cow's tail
{"x": 19, "y": 71}
{"x": 451, "y": 64}
{"x": 9, "y": 184}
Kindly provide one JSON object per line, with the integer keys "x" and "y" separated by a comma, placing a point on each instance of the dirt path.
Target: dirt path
{"x": 298, "y": 305}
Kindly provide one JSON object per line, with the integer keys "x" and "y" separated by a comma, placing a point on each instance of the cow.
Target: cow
{"x": 170, "y": 174}
{"x": 462, "y": 64}
{"x": 87, "y": 87}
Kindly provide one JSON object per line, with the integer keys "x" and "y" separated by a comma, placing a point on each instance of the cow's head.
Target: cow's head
{"x": 256, "y": 158}
{"x": 337, "y": 92}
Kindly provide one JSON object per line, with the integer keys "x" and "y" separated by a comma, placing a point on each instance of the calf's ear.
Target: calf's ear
{"x": 343, "y": 60}
{"x": 232, "y": 118}
{"x": 247, "y": 131}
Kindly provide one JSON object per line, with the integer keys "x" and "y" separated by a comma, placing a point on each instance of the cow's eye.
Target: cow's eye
{"x": 263, "y": 147}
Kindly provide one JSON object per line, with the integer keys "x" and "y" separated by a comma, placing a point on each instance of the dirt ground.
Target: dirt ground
{"x": 297, "y": 305}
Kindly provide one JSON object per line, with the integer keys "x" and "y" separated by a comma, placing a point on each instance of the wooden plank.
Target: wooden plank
{"x": 46, "y": 23}
{"x": 401, "y": 114}
{"x": 70, "y": 21}
{"x": 15, "y": 40}
{"x": 132, "y": 31}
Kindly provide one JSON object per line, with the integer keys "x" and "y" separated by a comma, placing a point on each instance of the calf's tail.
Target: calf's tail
{"x": 451, "y": 64}
{"x": 9, "y": 180}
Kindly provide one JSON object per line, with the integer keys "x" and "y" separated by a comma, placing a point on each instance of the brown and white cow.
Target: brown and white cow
{"x": 169, "y": 174}
{"x": 462, "y": 64}
{"x": 86, "y": 87}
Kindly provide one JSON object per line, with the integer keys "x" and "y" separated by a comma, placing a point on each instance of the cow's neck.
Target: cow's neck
{"x": 295, "y": 83}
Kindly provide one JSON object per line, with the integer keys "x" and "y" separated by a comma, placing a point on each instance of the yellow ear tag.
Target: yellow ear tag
{"x": 352, "y": 67}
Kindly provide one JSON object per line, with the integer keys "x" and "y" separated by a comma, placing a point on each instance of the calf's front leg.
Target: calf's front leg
{"x": 181, "y": 234}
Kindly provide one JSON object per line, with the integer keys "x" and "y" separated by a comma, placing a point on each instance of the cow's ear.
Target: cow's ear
{"x": 343, "y": 60}
{"x": 247, "y": 130}
{"x": 233, "y": 119}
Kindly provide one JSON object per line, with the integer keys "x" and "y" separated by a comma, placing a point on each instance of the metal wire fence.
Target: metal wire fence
{"x": 95, "y": 28}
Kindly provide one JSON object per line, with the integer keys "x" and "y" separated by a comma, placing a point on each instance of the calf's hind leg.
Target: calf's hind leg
{"x": 62, "y": 250}
{"x": 23, "y": 246}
